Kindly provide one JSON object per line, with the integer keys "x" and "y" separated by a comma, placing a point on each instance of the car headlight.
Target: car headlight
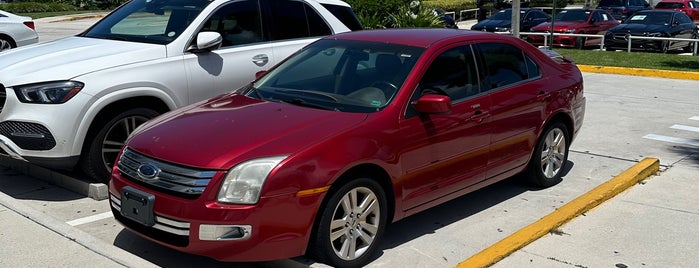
{"x": 244, "y": 182}
{"x": 569, "y": 31}
{"x": 48, "y": 92}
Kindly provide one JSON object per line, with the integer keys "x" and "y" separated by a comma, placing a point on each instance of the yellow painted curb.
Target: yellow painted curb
{"x": 567, "y": 212}
{"x": 640, "y": 72}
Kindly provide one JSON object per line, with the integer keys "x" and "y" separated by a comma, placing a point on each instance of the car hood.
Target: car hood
{"x": 638, "y": 28}
{"x": 221, "y": 132}
{"x": 558, "y": 26}
{"x": 69, "y": 58}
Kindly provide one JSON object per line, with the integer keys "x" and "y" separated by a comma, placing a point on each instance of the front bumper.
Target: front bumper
{"x": 276, "y": 227}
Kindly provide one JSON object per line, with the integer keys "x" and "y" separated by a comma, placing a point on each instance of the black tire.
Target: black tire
{"x": 550, "y": 156}
{"x": 6, "y": 43}
{"x": 101, "y": 148}
{"x": 609, "y": 49}
{"x": 580, "y": 42}
{"x": 369, "y": 223}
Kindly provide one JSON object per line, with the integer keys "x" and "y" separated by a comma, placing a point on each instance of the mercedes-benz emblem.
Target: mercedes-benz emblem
{"x": 148, "y": 171}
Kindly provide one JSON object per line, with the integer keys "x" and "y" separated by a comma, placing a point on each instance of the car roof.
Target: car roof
{"x": 417, "y": 37}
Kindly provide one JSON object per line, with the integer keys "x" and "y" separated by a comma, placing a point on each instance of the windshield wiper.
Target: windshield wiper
{"x": 317, "y": 93}
{"x": 300, "y": 102}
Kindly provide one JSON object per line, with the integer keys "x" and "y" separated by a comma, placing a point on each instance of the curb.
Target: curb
{"x": 97, "y": 191}
{"x": 109, "y": 251}
{"x": 564, "y": 214}
{"x": 640, "y": 72}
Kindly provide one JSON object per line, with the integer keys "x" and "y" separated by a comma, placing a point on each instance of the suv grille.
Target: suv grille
{"x": 173, "y": 179}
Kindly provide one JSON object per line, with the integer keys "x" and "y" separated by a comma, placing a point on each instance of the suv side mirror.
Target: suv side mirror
{"x": 207, "y": 41}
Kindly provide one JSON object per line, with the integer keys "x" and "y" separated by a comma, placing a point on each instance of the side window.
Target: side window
{"x": 293, "y": 19}
{"x": 505, "y": 65}
{"x": 597, "y": 17}
{"x": 238, "y": 23}
{"x": 452, "y": 73}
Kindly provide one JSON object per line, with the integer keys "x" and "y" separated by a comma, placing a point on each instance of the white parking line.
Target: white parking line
{"x": 672, "y": 139}
{"x": 694, "y": 117}
{"x": 687, "y": 128}
{"x": 90, "y": 219}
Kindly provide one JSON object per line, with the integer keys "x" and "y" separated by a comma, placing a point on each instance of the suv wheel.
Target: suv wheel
{"x": 5, "y": 43}
{"x": 101, "y": 149}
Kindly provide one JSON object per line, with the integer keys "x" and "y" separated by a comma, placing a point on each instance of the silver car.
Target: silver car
{"x": 16, "y": 31}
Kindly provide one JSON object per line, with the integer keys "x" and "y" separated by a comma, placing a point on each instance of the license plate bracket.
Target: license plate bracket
{"x": 137, "y": 205}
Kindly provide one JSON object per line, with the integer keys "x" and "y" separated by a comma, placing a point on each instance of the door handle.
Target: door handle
{"x": 542, "y": 96}
{"x": 260, "y": 60}
{"x": 478, "y": 116}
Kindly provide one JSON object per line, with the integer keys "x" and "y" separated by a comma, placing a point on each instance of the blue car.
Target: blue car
{"x": 502, "y": 21}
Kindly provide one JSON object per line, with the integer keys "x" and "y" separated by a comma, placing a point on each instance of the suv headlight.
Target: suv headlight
{"x": 244, "y": 182}
{"x": 49, "y": 92}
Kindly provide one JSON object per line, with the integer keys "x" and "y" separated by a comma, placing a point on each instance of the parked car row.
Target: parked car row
{"x": 16, "y": 31}
{"x": 647, "y": 23}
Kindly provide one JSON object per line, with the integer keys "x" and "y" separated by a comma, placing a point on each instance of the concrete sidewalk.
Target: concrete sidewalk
{"x": 650, "y": 225}
{"x": 30, "y": 238}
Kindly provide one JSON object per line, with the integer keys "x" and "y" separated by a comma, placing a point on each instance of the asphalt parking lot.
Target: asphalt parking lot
{"x": 628, "y": 119}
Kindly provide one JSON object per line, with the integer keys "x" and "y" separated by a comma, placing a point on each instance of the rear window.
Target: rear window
{"x": 345, "y": 15}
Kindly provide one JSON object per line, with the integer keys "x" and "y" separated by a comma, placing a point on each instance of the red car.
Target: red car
{"x": 689, "y": 7}
{"x": 575, "y": 21}
{"x": 353, "y": 132}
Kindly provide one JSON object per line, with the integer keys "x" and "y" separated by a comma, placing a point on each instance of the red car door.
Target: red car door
{"x": 518, "y": 103}
{"x": 446, "y": 152}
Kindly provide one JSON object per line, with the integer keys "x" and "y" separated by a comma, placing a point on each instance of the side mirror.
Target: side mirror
{"x": 433, "y": 104}
{"x": 207, "y": 41}
{"x": 260, "y": 74}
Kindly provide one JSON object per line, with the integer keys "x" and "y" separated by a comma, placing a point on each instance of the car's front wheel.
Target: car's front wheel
{"x": 351, "y": 224}
{"x": 102, "y": 147}
{"x": 550, "y": 155}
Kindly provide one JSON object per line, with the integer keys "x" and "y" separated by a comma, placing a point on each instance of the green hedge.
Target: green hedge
{"x": 451, "y": 5}
{"x": 30, "y": 7}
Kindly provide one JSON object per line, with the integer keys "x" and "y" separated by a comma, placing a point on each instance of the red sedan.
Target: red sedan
{"x": 689, "y": 7}
{"x": 575, "y": 21}
{"x": 351, "y": 133}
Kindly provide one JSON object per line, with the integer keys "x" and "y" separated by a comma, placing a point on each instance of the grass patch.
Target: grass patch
{"x": 643, "y": 60}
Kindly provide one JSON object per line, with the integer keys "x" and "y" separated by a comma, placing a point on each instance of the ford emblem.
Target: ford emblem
{"x": 148, "y": 171}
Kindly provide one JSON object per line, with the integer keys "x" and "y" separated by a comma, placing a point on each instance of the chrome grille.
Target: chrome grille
{"x": 181, "y": 181}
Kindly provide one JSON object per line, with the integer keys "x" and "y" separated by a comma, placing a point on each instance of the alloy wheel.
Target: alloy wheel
{"x": 553, "y": 153}
{"x": 116, "y": 137}
{"x": 355, "y": 223}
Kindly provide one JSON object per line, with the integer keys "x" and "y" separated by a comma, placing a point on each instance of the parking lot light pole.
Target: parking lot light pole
{"x": 553, "y": 19}
{"x": 514, "y": 27}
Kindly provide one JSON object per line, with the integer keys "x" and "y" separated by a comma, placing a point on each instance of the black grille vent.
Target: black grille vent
{"x": 28, "y": 136}
{"x": 173, "y": 179}
{"x": 3, "y": 96}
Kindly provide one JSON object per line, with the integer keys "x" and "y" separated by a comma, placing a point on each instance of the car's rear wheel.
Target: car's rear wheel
{"x": 690, "y": 47}
{"x": 109, "y": 137}
{"x": 550, "y": 155}
{"x": 580, "y": 42}
{"x": 351, "y": 224}
{"x": 6, "y": 43}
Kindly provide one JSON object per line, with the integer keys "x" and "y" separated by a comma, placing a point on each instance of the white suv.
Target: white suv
{"x": 73, "y": 102}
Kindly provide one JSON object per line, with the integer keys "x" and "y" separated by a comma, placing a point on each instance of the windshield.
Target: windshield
{"x": 650, "y": 18}
{"x": 573, "y": 15}
{"x": 669, "y": 5}
{"x": 148, "y": 21}
{"x": 340, "y": 75}
{"x": 503, "y": 15}
{"x": 611, "y": 3}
